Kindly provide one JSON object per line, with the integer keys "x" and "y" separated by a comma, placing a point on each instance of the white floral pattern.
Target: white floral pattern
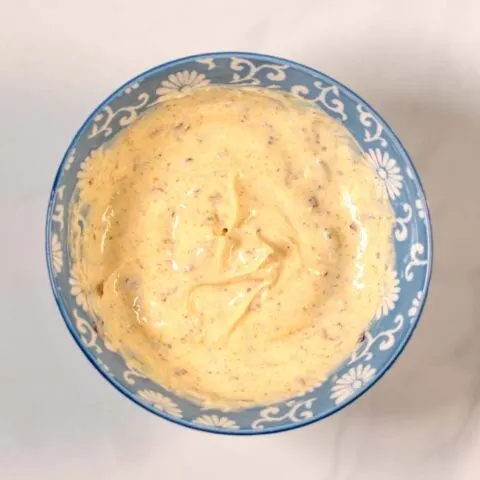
{"x": 181, "y": 81}
{"x": 249, "y": 72}
{"x": 131, "y": 88}
{"x": 216, "y": 421}
{"x": 209, "y": 62}
{"x": 387, "y": 170}
{"x": 57, "y": 254}
{"x": 390, "y": 293}
{"x": 420, "y": 208}
{"x": 103, "y": 122}
{"x": 370, "y": 123}
{"x": 88, "y": 333}
{"x": 70, "y": 160}
{"x": 161, "y": 402}
{"x": 382, "y": 341}
{"x": 415, "y": 307}
{"x": 327, "y": 96}
{"x": 401, "y": 230}
{"x": 102, "y": 364}
{"x": 294, "y": 411}
{"x": 351, "y": 382}
{"x": 59, "y": 210}
{"x": 130, "y": 375}
{"x": 85, "y": 174}
{"x": 416, "y": 251}
{"x": 77, "y": 282}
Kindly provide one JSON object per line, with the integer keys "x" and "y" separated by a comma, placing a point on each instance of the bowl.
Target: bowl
{"x": 401, "y": 306}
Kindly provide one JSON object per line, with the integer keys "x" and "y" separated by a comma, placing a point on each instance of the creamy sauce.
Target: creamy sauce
{"x": 234, "y": 246}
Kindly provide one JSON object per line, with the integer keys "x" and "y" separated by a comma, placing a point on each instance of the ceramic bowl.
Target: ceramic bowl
{"x": 401, "y": 306}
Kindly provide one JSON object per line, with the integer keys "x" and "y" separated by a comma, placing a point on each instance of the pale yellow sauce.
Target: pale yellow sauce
{"x": 234, "y": 247}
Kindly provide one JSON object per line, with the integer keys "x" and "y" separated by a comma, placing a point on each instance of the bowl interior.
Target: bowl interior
{"x": 401, "y": 306}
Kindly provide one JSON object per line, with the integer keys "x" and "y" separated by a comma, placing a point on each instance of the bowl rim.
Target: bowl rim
{"x": 113, "y": 381}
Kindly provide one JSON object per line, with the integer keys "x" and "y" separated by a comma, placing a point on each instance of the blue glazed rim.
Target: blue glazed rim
{"x": 63, "y": 311}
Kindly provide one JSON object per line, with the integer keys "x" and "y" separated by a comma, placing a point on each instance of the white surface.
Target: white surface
{"x": 417, "y": 62}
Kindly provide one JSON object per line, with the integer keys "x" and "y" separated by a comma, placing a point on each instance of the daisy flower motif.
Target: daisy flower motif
{"x": 390, "y": 293}
{"x": 182, "y": 81}
{"x": 387, "y": 171}
{"x": 77, "y": 286}
{"x": 216, "y": 421}
{"x": 161, "y": 402}
{"x": 86, "y": 175}
{"x": 351, "y": 382}
{"x": 57, "y": 257}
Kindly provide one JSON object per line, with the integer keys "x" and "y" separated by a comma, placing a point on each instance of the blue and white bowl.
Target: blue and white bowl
{"x": 401, "y": 307}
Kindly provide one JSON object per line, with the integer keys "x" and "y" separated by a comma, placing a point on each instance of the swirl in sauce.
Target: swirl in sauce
{"x": 235, "y": 245}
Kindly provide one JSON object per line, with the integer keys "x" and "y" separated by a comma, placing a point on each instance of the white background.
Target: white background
{"x": 417, "y": 62}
